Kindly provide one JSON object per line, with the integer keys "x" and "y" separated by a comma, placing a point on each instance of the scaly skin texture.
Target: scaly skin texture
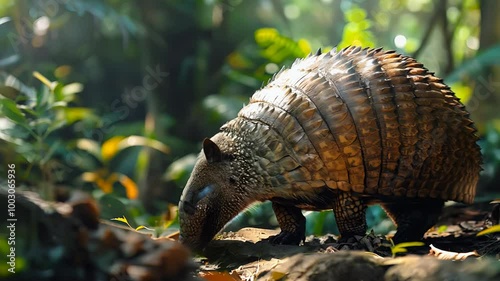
{"x": 339, "y": 131}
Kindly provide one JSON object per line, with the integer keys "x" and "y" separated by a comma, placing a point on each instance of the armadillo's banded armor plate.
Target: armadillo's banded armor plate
{"x": 366, "y": 121}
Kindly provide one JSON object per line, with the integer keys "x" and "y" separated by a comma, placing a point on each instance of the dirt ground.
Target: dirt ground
{"x": 68, "y": 241}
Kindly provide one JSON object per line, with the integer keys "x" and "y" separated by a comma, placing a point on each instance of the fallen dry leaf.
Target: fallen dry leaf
{"x": 173, "y": 236}
{"x": 277, "y": 275}
{"x": 219, "y": 276}
{"x": 447, "y": 255}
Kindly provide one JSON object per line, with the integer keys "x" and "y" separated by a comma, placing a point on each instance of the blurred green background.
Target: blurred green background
{"x": 114, "y": 96}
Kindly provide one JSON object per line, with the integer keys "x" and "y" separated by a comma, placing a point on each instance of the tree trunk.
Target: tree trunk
{"x": 487, "y": 84}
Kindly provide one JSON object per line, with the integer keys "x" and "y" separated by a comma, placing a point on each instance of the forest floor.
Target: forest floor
{"x": 67, "y": 241}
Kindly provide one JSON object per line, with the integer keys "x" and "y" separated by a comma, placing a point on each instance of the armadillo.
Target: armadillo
{"x": 338, "y": 130}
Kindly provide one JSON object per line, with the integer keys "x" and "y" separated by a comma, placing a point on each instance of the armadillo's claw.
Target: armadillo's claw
{"x": 286, "y": 238}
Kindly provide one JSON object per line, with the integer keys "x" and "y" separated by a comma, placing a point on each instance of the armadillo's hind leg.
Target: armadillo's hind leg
{"x": 350, "y": 214}
{"x": 413, "y": 218}
{"x": 292, "y": 224}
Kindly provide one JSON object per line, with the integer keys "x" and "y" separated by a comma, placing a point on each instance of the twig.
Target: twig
{"x": 428, "y": 32}
{"x": 278, "y": 7}
{"x": 447, "y": 37}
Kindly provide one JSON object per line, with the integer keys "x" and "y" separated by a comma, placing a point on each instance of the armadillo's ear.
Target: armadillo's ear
{"x": 212, "y": 151}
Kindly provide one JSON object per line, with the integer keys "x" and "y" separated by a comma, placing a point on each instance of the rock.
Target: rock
{"x": 343, "y": 265}
{"x": 415, "y": 268}
{"x": 61, "y": 241}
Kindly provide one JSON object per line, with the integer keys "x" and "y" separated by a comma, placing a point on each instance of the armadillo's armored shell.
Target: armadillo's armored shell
{"x": 364, "y": 121}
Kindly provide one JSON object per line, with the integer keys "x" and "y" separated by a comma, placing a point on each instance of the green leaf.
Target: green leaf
{"x": 42, "y": 99}
{"x": 58, "y": 105}
{"x": 124, "y": 220}
{"x": 111, "y": 206}
{"x": 409, "y": 244}
{"x": 355, "y": 14}
{"x": 109, "y": 148}
{"x": 9, "y": 109}
{"x": 12, "y": 88}
{"x": 9, "y": 60}
{"x": 401, "y": 247}
{"x": 493, "y": 229}
{"x": 44, "y": 80}
{"x": 462, "y": 91}
{"x": 14, "y": 134}
{"x": 474, "y": 66}
{"x": 57, "y": 124}
{"x": 142, "y": 141}
{"x": 50, "y": 152}
{"x": 74, "y": 114}
{"x": 356, "y": 31}
{"x": 9, "y": 92}
{"x": 278, "y": 48}
{"x": 90, "y": 146}
{"x": 66, "y": 93}
{"x": 143, "y": 227}
{"x": 180, "y": 169}
{"x": 70, "y": 90}
{"x": 41, "y": 125}
{"x": 131, "y": 189}
{"x": 442, "y": 228}
{"x": 27, "y": 110}
{"x": 58, "y": 92}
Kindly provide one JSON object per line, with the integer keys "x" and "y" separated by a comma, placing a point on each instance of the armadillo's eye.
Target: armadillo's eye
{"x": 192, "y": 199}
{"x": 232, "y": 180}
{"x": 203, "y": 193}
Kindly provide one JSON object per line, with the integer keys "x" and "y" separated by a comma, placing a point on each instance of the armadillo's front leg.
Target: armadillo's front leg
{"x": 413, "y": 217}
{"x": 292, "y": 224}
{"x": 350, "y": 215}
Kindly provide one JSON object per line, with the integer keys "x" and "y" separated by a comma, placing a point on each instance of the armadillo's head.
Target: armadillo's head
{"x": 215, "y": 193}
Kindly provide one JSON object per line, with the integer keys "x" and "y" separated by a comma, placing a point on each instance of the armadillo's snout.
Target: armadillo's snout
{"x": 187, "y": 230}
{"x": 190, "y": 220}
{"x": 196, "y": 216}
